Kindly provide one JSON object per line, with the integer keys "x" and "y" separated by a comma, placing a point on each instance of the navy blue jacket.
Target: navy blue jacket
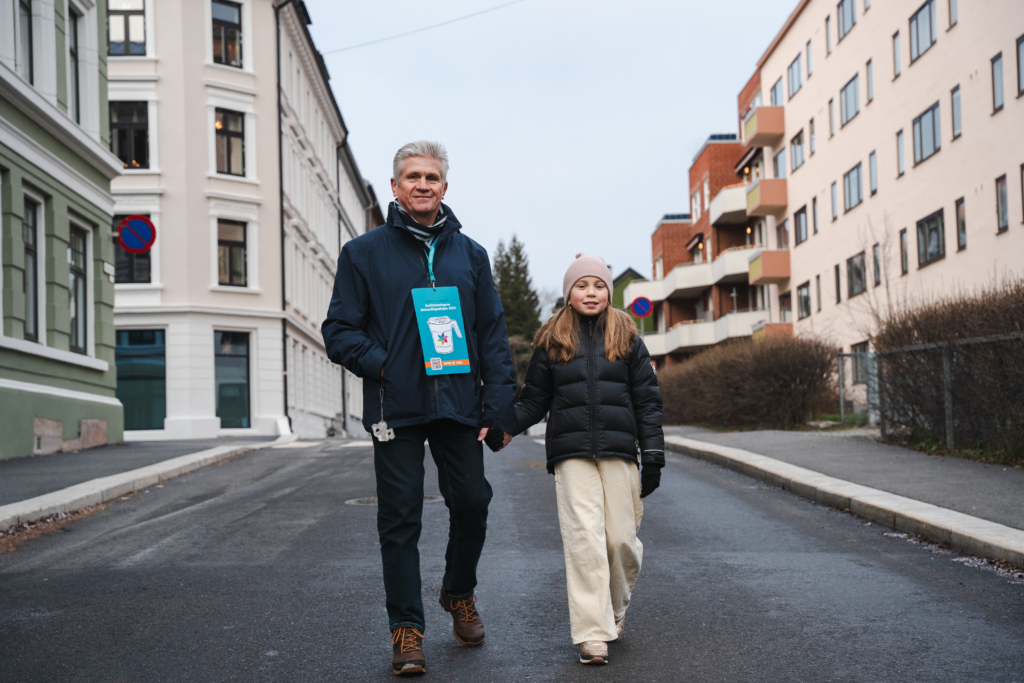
{"x": 371, "y": 325}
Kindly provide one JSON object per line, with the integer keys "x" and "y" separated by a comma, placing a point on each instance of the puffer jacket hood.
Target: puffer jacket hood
{"x": 371, "y": 324}
{"x": 595, "y": 408}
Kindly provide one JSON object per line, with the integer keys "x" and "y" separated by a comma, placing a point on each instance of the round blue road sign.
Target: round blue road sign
{"x": 136, "y": 234}
{"x": 641, "y": 307}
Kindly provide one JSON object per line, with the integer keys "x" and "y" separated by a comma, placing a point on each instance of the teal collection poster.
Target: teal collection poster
{"x": 439, "y": 319}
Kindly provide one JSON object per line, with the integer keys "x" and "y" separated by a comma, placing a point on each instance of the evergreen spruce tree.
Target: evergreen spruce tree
{"x": 515, "y": 288}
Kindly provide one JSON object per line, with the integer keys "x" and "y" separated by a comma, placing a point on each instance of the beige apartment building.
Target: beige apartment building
{"x": 234, "y": 148}
{"x": 887, "y": 158}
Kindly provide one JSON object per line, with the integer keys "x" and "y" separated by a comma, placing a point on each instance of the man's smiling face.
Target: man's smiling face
{"x": 420, "y": 188}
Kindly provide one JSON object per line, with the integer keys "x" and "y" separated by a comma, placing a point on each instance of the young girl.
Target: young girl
{"x": 592, "y": 375}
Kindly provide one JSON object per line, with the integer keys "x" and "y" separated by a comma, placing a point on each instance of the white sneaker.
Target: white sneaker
{"x": 620, "y": 628}
{"x": 594, "y": 652}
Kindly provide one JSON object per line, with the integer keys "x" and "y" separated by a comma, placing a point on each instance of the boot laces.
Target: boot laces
{"x": 408, "y": 638}
{"x": 465, "y": 608}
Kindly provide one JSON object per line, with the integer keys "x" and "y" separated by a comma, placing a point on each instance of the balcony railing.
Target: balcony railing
{"x": 729, "y": 206}
{"x": 699, "y": 334}
{"x": 769, "y": 267}
{"x": 764, "y": 126}
{"x": 767, "y": 197}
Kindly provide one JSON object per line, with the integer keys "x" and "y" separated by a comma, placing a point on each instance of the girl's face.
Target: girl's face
{"x": 589, "y": 296}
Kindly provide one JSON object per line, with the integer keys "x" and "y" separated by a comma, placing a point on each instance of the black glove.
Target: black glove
{"x": 495, "y": 439}
{"x": 650, "y": 479}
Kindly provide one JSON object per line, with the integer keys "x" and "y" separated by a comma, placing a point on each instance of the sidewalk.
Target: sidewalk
{"x": 23, "y": 478}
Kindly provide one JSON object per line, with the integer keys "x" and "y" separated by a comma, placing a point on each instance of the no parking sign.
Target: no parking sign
{"x": 641, "y": 307}
{"x": 136, "y": 234}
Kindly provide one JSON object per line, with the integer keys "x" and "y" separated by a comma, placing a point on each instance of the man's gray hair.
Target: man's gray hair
{"x": 421, "y": 148}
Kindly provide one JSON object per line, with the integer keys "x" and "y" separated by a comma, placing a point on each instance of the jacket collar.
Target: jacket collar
{"x": 452, "y": 224}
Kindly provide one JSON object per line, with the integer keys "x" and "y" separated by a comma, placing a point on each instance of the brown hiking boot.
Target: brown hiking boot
{"x": 467, "y": 626}
{"x": 407, "y": 652}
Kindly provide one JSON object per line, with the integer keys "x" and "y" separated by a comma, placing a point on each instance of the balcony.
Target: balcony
{"x": 764, "y": 127}
{"x": 767, "y": 197}
{"x": 685, "y": 281}
{"x": 697, "y": 335}
{"x": 765, "y": 330}
{"x": 732, "y": 265}
{"x": 769, "y": 267}
{"x": 729, "y": 207}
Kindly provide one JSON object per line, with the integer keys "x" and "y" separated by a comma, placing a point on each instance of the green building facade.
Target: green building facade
{"x": 57, "y": 370}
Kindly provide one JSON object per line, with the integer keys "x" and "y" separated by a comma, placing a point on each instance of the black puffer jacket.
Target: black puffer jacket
{"x": 597, "y": 408}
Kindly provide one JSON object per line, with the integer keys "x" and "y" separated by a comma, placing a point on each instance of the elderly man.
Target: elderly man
{"x": 376, "y": 327}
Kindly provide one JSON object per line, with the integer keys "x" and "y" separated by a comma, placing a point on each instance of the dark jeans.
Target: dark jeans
{"x": 460, "y": 475}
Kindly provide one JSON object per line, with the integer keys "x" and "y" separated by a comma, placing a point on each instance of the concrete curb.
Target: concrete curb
{"x": 104, "y": 489}
{"x": 961, "y": 532}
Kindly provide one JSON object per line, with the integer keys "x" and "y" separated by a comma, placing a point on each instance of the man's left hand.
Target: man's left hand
{"x": 483, "y": 434}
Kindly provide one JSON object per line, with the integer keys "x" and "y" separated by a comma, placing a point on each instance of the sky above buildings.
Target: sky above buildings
{"x": 570, "y": 124}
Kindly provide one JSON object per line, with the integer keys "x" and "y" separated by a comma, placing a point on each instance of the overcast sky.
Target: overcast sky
{"x": 570, "y": 124}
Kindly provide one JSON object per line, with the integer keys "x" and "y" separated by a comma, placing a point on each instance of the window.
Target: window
{"x": 859, "y": 362}
{"x": 129, "y": 133}
{"x": 852, "y": 192}
{"x": 776, "y": 93}
{"x": 876, "y": 255}
{"x": 707, "y": 193}
{"x": 871, "y": 81}
{"x": 231, "y": 253}
{"x": 828, "y": 35}
{"x": 952, "y": 13}
{"x": 142, "y": 377}
{"x": 846, "y": 11}
{"x": 1002, "y": 212}
{"x": 230, "y": 127}
{"x": 817, "y": 290}
{"x": 77, "y": 279}
{"x": 30, "y": 275}
{"x": 797, "y": 145}
{"x": 803, "y": 300}
{"x": 835, "y": 202}
{"x": 26, "y": 61}
{"x": 900, "y": 162}
{"x": 786, "y": 308}
{"x": 831, "y": 119}
{"x": 873, "y": 172}
{"x": 810, "y": 63}
{"x": 1020, "y": 65}
{"x": 227, "y": 33}
{"x": 896, "y": 54}
{"x": 800, "y": 224}
{"x": 74, "y": 105}
{"x": 810, "y": 130}
{"x": 961, "y": 225}
{"x": 931, "y": 239}
{"x": 849, "y": 100}
{"x": 793, "y": 76}
{"x": 129, "y": 267}
{"x": 867, "y": 5}
{"x": 904, "y": 252}
{"x": 779, "y": 163}
{"x": 126, "y": 27}
{"x": 856, "y": 275}
{"x": 231, "y": 378}
{"x": 997, "y": 82}
{"x": 927, "y": 139}
{"x": 814, "y": 214}
{"x": 839, "y": 286}
{"x": 782, "y": 235}
{"x": 955, "y": 104}
{"x": 922, "y": 30}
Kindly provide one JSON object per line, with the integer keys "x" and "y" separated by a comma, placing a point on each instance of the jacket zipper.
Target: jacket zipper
{"x": 592, "y": 386}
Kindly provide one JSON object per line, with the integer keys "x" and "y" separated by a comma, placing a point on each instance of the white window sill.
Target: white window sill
{"x": 137, "y": 286}
{"x": 233, "y": 69}
{"x": 130, "y": 58}
{"x": 141, "y": 171}
{"x": 234, "y": 178}
{"x": 35, "y": 349}
{"x": 235, "y": 290}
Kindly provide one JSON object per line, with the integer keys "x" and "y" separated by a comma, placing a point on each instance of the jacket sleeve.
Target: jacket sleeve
{"x": 646, "y": 397}
{"x": 538, "y": 391}
{"x": 348, "y": 318}
{"x": 499, "y": 384}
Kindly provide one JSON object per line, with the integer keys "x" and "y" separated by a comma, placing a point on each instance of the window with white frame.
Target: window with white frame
{"x": 779, "y": 163}
{"x": 126, "y": 28}
{"x": 782, "y": 235}
{"x": 896, "y": 65}
{"x": 955, "y": 106}
{"x": 803, "y": 300}
{"x": 78, "y": 288}
{"x": 26, "y": 48}
{"x": 870, "y": 71}
{"x": 231, "y": 253}
{"x": 800, "y": 225}
{"x": 227, "y": 32}
{"x": 931, "y": 239}
{"x": 961, "y": 225}
{"x": 835, "y": 202}
{"x": 876, "y": 254}
{"x": 852, "y": 190}
{"x": 952, "y": 13}
{"x": 74, "y": 73}
{"x": 797, "y": 146}
{"x": 1002, "y": 208}
{"x": 849, "y": 100}
{"x": 31, "y": 220}
{"x": 997, "y": 83}
{"x": 923, "y": 33}
{"x": 839, "y": 285}
{"x": 904, "y": 252}
{"x": 873, "y": 171}
{"x": 1020, "y": 66}
{"x": 831, "y": 119}
{"x": 900, "y": 162}
{"x": 847, "y": 13}
{"x": 828, "y": 35}
{"x": 793, "y": 76}
{"x": 129, "y": 133}
{"x": 707, "y": 193}
{"x": 230, "y": 134}
{"x": 814, "y": 214}
{"x": 927, "y": 138}
{"x": 776, "y": 93}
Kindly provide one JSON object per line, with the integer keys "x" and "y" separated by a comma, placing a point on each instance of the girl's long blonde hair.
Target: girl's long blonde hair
{"x": 560, "y": 335}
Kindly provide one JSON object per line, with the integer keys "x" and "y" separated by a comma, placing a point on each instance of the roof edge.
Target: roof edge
{"x": 782, "y": 32}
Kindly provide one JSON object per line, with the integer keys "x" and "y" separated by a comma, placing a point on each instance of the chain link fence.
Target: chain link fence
{"x": 965, "y": 393}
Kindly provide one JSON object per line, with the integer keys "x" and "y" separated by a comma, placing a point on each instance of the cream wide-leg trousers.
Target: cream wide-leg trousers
{"x": 599, "y": 511}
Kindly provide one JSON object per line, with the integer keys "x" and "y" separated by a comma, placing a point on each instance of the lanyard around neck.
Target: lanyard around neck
{"x": 430, "y": 261}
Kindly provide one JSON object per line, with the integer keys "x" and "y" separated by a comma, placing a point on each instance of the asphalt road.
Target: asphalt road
{"x": 257, "y": 570}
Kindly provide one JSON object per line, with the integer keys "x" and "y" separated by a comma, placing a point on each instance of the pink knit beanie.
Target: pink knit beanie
{"x": 584, "y": 266}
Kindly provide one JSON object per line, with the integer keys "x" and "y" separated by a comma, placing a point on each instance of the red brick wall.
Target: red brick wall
{"x": 669, "y": 242}
{"x": 746, "y": 95}
{"x": 717, "y": 162}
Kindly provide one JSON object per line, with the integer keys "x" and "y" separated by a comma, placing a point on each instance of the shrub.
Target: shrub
{"x": 774, "y": 383}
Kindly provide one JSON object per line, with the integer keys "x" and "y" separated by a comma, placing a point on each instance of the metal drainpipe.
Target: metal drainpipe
{"x": 280, "y": 202}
